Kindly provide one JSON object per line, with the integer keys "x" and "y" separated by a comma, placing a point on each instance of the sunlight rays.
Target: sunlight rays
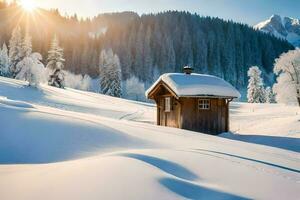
{"x": 28, "y": 5}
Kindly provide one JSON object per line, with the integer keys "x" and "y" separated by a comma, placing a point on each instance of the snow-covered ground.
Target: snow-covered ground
{"x": 69, "y": 144}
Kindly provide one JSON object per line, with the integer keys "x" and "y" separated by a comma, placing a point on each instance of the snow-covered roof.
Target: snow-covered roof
{"x": 184, "y": 85}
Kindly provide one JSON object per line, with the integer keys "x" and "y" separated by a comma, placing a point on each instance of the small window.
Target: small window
{"x": 168, "y": 104}
{"x": 203, "y": 104}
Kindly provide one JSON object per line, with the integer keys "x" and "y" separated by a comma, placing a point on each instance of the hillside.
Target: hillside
{"x": 151, "y": 44}
{"x": 282, "y": 27}
{"x": 69, "y": 144}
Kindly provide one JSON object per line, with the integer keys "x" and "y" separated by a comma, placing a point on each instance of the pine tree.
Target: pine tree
{"x": 139, "y": 50}
{"x": 116, "y": 89}
{"x": 186, "y": 49}
{"x": 15, "y": 51}
{"x": 148, "y": 58}
{"x": 55, "y": 64}
{"x": 26, "y": 47}
{"x": 31, "y": 69}
{"x": 230, "y": 55}
{"x": 200, "y": 53}
{"x": 25, "y": 53}
{"x": 4, "y": 61}
{"x": 168, "y": 59}
{"x": 165, "y": 40}
{"x": 269, "y": 95}
{"x": 255, "y": 92}
{"x": 110, "y": 74}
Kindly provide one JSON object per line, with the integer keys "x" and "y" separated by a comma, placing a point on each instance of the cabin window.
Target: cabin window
{"x": 203, "y": 104}
{"x": 168, "y": 104}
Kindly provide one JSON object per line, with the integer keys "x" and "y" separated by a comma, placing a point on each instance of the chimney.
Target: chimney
{"x": 187, "y": 70}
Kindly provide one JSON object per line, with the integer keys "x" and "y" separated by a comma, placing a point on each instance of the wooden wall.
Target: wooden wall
{"x": 212, "y": 121}
{"x": 185, "y": 114}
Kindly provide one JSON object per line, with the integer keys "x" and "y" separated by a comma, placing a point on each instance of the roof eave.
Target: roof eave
{"x": 207, "y": 96}
{"x": 161, "y": 82}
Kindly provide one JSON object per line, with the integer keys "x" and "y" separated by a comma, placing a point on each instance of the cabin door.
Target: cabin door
{"x": 162, "y": 113}
{"x": 169, "y": 112}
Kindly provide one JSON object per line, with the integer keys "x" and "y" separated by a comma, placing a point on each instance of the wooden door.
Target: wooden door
{"x": 162, "y": 112}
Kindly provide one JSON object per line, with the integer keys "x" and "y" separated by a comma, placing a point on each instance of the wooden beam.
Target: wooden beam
{"x": 151, "y": 94}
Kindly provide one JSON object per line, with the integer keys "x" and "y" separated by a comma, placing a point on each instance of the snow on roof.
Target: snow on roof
{"x": 196, "y": 85}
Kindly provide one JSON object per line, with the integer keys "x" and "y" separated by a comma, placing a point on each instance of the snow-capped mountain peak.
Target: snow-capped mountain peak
{"x": 283, "y": 27}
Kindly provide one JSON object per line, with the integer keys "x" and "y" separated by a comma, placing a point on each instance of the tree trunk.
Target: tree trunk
{"x": 298, "y": 94}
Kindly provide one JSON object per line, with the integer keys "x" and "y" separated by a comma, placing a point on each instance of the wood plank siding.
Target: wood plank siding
{"x": 212, "y": 121}
{"x": 185, "y": 112}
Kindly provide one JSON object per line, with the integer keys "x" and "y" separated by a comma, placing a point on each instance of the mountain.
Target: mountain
{"x": 282, "y": 27}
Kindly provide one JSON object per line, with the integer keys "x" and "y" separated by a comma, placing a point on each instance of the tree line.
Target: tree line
{"x": 165, "y": 42}
{"x": 20, "y": 62}
{"x": 152, "y": 44}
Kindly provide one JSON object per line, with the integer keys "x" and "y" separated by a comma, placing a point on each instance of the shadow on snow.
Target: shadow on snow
{"x": 287, "y": 143}
{"x": 193, "y": 191}
{"x": 251, "y": 159}
{"x": 165, "y": 165}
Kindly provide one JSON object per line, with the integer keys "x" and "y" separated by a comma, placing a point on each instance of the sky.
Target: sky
{"x": 245, "y": 11}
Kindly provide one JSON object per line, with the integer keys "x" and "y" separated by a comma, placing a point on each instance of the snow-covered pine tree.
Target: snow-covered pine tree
{"x": 55, "y": 64}
{"x": 269, "y": 95}
{"x": 116, "y": 76}
{"x": 4, "y": 61}
{"x": 26, "y": 47}
{"x": 110, "y": 74}
{"x": 287, "y": 67}
{"x": 103, "y": 63}
{"x": 255, "y": 93}
{"x": 15, "y": 51}
{"x": 31, "y": 69}
{"x": 25, "y": 53}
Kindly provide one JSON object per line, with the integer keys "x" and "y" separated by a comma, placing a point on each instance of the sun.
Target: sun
{"x": 28, "y": 5}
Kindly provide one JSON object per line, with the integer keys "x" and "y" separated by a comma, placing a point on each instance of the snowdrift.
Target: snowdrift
{"x": 69, "y": 144}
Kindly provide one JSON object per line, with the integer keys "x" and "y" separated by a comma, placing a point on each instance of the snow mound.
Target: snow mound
{"x": 78, "y": 145}
{"x": 197, "y": 85}
{"x": 45, "y": 136}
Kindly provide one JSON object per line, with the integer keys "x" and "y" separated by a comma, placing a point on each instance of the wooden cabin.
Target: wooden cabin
{"x": 193, "y": 101}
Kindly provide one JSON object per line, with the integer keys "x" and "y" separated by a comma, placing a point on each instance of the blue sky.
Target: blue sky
{"x": 246, "y": 11}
